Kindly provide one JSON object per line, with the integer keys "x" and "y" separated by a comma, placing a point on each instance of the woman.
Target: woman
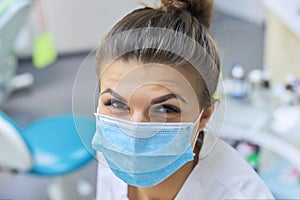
{"x": 158, "y": 72}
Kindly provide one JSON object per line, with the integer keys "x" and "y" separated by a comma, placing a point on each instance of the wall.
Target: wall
{"x": 250, "y": 10}
{"x": 282, "y": 47}
{"x": 76, "y": 25}
{"x": 282, "y": 38}
{"x": 79, "y": 25}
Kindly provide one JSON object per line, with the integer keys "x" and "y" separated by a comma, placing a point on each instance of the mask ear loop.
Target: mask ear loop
{"x": 196, "y": 135}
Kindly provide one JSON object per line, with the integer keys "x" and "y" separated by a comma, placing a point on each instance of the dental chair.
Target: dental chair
{"x": 49, "y": 147}
{"x": 12, "y": 16}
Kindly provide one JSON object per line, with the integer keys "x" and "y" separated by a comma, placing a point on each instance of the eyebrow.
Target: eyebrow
{"x": 114, "y": 94}
{"x": 154, "y": 101}
{"x": 167, "y": 97}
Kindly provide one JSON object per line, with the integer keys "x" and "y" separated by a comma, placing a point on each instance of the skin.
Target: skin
{"x": 154, "y": 93}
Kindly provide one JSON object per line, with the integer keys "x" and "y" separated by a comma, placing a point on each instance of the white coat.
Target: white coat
{"x": 221, "y": 173}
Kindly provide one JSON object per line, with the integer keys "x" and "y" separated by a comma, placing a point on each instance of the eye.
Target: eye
{"x": 167, "y": 109}
{"x": 117, "y": 104}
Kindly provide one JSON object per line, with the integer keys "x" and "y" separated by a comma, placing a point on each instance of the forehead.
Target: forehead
{"x": 127, "y": 77}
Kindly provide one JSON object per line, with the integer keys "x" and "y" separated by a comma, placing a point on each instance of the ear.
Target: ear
{"x": 207, "y": 113}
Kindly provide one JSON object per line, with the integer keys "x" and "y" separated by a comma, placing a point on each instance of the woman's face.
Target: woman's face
{"x": 147, "y": 92}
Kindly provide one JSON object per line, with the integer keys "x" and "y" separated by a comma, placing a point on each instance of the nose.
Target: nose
{"x": 139, "y": 117}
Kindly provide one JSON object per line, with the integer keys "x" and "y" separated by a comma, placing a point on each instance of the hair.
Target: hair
{"x": 144, "y": 36}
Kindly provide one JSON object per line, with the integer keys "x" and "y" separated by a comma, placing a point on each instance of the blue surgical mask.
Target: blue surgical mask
{"x": 143, "y": 154}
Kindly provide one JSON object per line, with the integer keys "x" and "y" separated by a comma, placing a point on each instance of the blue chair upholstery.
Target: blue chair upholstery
{"x": 55, "y": 145}
{"x": 52, "y": 146}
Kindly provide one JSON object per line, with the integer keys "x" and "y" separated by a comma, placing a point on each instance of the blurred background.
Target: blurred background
{"x": 43, "y": 47}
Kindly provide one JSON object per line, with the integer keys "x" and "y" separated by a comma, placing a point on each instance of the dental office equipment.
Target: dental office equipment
{"x": 12, "y": 16}
{"x": 48, "y": 147}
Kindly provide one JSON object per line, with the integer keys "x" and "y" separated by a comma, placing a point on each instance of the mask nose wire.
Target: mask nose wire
{"x": 197, "y": 120}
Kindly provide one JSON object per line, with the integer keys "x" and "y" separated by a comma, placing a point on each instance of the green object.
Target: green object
{"x": 253, "y": 159}
{"x": 44, "y": 52}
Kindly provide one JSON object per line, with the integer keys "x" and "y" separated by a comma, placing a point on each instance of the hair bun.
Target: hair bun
{"x": 201, "y": 9}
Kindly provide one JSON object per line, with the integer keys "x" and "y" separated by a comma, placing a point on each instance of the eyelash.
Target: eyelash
{"x": 111, "y": 102}
{"x": 120, "y": 105}
{"x": 168, "y": 108}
